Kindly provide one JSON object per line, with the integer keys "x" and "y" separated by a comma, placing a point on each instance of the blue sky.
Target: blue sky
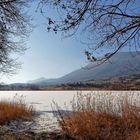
{"x": 49, "y": 55}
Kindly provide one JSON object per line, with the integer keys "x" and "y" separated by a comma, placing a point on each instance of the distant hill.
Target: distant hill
{"x": 121, "y": 64}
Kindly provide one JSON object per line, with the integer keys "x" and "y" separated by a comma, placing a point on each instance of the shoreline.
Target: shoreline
{"x": 30, "y": 135}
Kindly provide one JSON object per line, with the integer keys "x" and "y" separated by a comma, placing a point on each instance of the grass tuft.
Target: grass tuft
{"x": 15, "y": 109}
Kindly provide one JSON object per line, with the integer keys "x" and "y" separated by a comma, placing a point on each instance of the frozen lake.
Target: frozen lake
{"x": 42, "y": 101}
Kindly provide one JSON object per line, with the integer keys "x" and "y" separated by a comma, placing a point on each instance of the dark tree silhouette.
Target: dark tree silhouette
{"x": 13, "y": 30}
{"x": 110, "y": 24}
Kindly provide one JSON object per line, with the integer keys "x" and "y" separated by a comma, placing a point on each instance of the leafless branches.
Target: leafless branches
{"x": 13, "y": 30}
{"x": 109, "y": 24}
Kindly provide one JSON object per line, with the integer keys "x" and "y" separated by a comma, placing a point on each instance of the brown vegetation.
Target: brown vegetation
{"x": 131, "y": 82}
{"x": 11, "y": 110}
{"x": 103, "y": 118}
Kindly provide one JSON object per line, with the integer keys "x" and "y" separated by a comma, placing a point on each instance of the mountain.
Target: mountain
{"x": 120, "y": 65}
{"x": 37, "y": 80}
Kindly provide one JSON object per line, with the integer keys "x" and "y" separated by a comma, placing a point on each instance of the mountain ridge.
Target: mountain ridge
{"x": 119, "y": 65}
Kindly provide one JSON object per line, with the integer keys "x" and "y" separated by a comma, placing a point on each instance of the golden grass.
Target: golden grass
{"x": 103, "y": 117}
{"x": 12, "y": 110}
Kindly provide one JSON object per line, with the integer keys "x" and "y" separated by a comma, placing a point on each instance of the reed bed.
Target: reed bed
{"x": 14, "y": 109}
{"x": 103, "y": 116}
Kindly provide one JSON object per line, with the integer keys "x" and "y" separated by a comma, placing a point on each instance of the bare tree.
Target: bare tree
{"x": 110, "y": 25}
{"x": 14, "y": 27}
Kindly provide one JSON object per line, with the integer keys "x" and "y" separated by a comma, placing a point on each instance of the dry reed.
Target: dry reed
{"x": 14, "y": 109}
{"x": 103, "y": 117}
